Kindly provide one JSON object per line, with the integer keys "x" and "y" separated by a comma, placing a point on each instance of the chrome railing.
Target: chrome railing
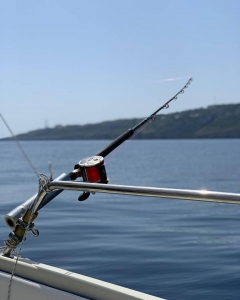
{"x": 182, "y": 194}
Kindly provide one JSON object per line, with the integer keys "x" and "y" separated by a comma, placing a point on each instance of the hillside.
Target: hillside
{"x": 218, "y": 121}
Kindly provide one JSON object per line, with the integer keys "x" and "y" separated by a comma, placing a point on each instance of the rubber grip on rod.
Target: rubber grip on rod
{"x": 118, "y": 141}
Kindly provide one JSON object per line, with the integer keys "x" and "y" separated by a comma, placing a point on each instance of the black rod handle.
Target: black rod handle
{"x": 118, "y": 141}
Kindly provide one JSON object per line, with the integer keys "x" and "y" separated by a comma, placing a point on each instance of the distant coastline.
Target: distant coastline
{"x": 217, "y": 121}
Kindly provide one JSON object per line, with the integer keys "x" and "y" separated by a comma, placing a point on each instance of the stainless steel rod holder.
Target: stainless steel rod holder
{"x": 197, "y": 195}
{"x": 182, "y": 194}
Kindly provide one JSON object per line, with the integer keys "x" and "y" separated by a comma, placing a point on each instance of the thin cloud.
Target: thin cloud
{"x": 170, "y": 79}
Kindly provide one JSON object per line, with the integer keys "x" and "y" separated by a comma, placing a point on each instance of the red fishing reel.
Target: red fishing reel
{"x": 91, "y": 169}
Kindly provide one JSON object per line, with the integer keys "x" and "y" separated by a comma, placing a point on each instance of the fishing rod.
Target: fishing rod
{"x": 92, "y": 169}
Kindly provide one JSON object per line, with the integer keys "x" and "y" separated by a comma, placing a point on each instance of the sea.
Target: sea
{"x": 173, "y": 249}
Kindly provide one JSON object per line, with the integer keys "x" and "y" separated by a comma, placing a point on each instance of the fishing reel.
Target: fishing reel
{"x": 91, "y": 169}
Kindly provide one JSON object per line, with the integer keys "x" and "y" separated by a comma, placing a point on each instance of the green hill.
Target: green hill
{"x": 218, "y": 121}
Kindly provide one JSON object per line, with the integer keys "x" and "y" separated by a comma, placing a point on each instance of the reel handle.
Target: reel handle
{"x": 83, "y": 196}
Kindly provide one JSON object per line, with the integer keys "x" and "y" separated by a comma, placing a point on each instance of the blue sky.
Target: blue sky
{"x": 78, "y": 62}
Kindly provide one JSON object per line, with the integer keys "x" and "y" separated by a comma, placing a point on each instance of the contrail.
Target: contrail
{"x": 170, "y": 79}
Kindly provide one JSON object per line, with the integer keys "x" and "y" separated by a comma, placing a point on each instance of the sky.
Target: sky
{"x": 87, "y": 61}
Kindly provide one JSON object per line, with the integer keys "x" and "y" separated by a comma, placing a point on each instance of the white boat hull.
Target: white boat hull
{"x": 39, "y": 281}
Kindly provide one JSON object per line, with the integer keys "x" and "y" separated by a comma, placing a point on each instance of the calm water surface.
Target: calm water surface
{"x": 169, "y": 248}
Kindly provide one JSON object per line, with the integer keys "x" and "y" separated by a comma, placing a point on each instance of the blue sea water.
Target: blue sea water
{"x": 168, "y": 248}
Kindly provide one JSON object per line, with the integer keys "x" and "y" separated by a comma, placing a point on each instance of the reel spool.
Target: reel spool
{"x": 93, "y": 169}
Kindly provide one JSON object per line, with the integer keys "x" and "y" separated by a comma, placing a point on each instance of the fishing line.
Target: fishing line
{"x": 20, "y": 146}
